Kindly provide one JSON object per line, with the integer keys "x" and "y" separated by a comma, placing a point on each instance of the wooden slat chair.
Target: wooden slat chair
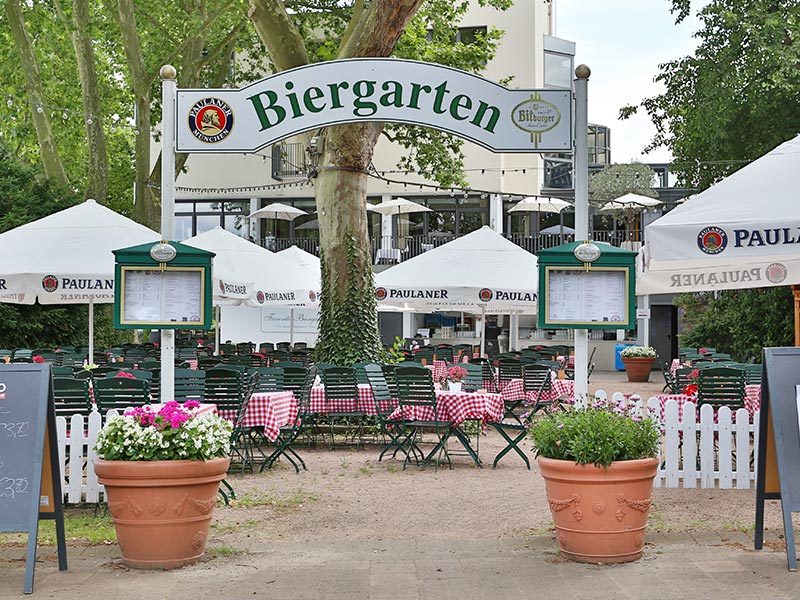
{"x": 285, "y": 444}
{"x": 669, "y": 379}
{"x": 71, "y": 396}
{"x": 226, "y": 389}
{"x": 190, "y": 384}
{"x": 684, "y": 350}
{"x": 383, "y": 398}
{"x": 460, "y": 350}
{"x": 266, "y": 347}
{"x": 279, "y": 356}
{"x": 360, "y": 370}
{"x": 300, "y": 356}
{"x": 65, "y": 372}
{"x": 720, "y": 356}
{"x": 284, "y": 346}
{"x": 226, "y": 348}
{"x": 208, "y": 362}
{"x": 474, "y": 378}
{"x": 120, "y": 393}
{"x": 294, "y": 376}
{"x": 424, "y": 356}
{"x": 489, "y": 381}
{"x": 536, "y": 379}
{"x": 270, "y": 379}
{"x": 707, "y": 351}
{"x": 415, "y": 389}
{"x": 391, "y": 378}
{"x": 341, "y": 385}
{"x": 245, "y": 348}
{"x": 54, "y": 358}
{"x": 752, "y": 373}
{"x": 189, "y": 353}
{"x": 256, "y": 360}
{"x": 103, "y": 371}
{"x": 721, "y": 386}
{"x": 681, "y": 378}
{"x": 508, "y": 369}
{"x": 236, "y": 360}
{"x": 444, "y": 352}
{"x": 22, "y": 353}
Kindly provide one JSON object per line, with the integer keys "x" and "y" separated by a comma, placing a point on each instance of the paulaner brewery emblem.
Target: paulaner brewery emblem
{"x": 485, "y": 295}
{"x": 776, "y": 272}
{"x": 712, "y": 240}
{"x": 210, "y": 120}
{"x": 49, "y": 283}
{"x": 381, "y": 293}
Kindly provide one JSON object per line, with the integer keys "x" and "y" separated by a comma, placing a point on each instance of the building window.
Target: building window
{"x": 470, "y": 35}
{"x": 557, "y": 70}
{"x": 193, "y": 218}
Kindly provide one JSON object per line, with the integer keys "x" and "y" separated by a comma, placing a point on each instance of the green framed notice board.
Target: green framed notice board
{"x": 166, "y": 285}
{"x": 577, "y": 294}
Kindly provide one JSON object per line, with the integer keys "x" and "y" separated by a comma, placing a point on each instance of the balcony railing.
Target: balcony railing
{"x": 392, "y": 250}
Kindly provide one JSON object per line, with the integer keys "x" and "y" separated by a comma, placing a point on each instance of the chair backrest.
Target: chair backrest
{"x": 285, "y": 346}
{"x": 61, "y": 371}
{"x": 361, "y": 374}
{"x": 415, "y": 386}
{"x": 304, "y": 394}
{"x": 340, "y": 383}
{"x": 474, "y": 379}
{"x": 71, "y": 396}
{"x": 537, "y": 377}
{"x": 424, "y": 355}
{"x": 279, "y": 356}
{"x": 508, "y": 369}
{"x": 381, "y": 394}
{"x": 752, "y": 373}
{"x": 224, "y": 387}
{"x": 389, "y": 373}
{"x": 54, "y": 358}
{"x": 190, "y": 384}
{"x": 444, "y": 352}
{"x": 721, "y": 386}
{"x": 719, "y": 356}
{"x": 227, "y": 348}
{"x": 137, "y": 373}
{"x": 270, "y": 379}
{"x": 486, "y": 370}
{"x": 23, "y": 353}
{"x": 245, "y": 348}
{"x": 120, "y": 393}
{"x": 681, "y": 378}
{"x": 103, "y": 371}
{"x": 293, "y": 378}
{"x": 300, "y": 345}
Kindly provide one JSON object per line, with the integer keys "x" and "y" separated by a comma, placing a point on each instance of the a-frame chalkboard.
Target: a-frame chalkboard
{"x": 30, "y": 482}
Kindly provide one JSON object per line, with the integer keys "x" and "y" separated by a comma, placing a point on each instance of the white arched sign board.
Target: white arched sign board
{"x": 373, "y": 89}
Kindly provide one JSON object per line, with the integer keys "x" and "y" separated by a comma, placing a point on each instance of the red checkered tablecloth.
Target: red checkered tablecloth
{"x": 560, "y": 388}
{"x": 752, "y": 401}
{"x": 270, "y": 410}
{"x": 456, "y": 407}
{"x": 364, "y": 403}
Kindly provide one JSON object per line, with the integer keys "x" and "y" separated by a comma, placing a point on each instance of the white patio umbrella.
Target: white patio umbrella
{"x": 629, "y": 204}
{"x": 242, "y": 271}
{"x": 398, "y": 206}
{"x": 540, "y": 205}
{"x": 310, "y": 266}
{"x": 66, "y": 257}
{"x": 276, "y": 210}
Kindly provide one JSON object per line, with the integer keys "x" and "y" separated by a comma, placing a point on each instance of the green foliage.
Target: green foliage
{"x": 348, "y": 326}
{"x": 740, "y": 322}
{"x": 620, "y": 179}
{"x": 736, "y": 96}
{"x": 393, "y": 354}
{"x": 597, "y": 435}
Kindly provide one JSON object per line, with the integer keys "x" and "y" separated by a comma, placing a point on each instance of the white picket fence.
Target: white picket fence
{"x": 76, "y": 455}
{"x": 698, "y": 450}
{"x": 693, "y": 450}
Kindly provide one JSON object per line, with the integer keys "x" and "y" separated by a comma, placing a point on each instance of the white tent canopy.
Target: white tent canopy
{"x": 743, "y": 232}
{"x": 631, "y": 201}
{"x": 479, "y": 272}
{"x": 267, "y": 278}
{"x": 66, "y": 257}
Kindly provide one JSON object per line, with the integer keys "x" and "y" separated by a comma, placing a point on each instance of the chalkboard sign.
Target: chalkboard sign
{"x": 779, "y": 443}
{"x": 30, "y": 483}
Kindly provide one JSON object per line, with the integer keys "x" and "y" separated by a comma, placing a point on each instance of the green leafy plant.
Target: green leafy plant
{"x": 638, "y": 352}
{"x": 599, "y": 434}
{"x": 393, "y": 354}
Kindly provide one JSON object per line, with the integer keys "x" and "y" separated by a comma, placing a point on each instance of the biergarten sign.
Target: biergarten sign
{"x": 373, "y": 89}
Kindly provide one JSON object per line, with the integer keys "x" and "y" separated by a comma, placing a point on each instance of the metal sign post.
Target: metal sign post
{"x": 169, "y": 87}
{"x": 581, "y": 181}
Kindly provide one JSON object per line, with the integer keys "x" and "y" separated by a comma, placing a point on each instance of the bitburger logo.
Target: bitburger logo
{"x": 712, "y": 240}
{"x": 485, "y": 295}
{"x": 49, "y": 283}
{"x": 260, "y": 297}
{"x": 210, "y": 120}
{"x": 776, "y": 272}
{"x": 381, "y": 293}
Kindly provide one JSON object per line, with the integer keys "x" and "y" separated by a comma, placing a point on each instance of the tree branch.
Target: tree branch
{"x": 278, "y": 33}
{"x": 380, "y": 26}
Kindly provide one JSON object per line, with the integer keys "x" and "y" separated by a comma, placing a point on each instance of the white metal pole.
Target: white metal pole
{"x": 483, "y": 330}
{"x": 581, "y": 179}
{"x": 217, "y": 328}
{"x": 169, "y": 86}
{"x": 291, "y": 327}
{"x": 91, "y": 330}
{"x": 644, "y": 322}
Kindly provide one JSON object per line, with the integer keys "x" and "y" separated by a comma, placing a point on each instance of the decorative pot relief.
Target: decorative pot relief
{"x": 156, "y": 506}
{"x": 559, "y": 505}
{"x": 598, "y": 508}
{"x": 198, "y": 540}
{"x": 204, "y": 506}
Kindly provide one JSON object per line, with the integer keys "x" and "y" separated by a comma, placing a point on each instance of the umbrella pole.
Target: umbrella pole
{"x": 291, "y": 326}
{"x": 483, "y": 330}
{"x": 91, "y": 330}
{"x": 796, "y": 294}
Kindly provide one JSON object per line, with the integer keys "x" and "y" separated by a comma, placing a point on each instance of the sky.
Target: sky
{"x": 623, "y": 42}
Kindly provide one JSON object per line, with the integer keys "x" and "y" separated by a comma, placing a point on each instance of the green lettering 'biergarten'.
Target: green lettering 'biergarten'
{"x": 273, "y": 107}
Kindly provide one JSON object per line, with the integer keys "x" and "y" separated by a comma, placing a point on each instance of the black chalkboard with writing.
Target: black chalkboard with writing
{"x": 29, "y": 479}
{"x": 779, "y": 443}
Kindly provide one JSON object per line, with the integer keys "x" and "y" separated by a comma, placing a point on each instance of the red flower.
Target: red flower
{"x": 690, "y": 390}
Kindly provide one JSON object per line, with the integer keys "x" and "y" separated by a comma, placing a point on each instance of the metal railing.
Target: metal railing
{"x": 392, "y": 249}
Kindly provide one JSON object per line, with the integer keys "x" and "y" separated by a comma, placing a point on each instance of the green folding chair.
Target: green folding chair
{"x": 285, "y": 443}
{"x": 385, "y": 404}
{"x": 119, "y": 393}
{"x": 71, "y": 396}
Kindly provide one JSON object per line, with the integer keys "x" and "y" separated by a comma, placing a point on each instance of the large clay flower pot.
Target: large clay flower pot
{"x": 638, "y": 369}
{"x": 161, "y": 509}
{"x": 600, "y": 514}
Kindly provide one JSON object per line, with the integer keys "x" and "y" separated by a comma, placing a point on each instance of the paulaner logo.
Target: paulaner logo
{"x": 210, "y": 120}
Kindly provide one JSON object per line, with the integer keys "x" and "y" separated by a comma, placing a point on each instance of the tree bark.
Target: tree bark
{"x": 51, "y": 160}
{"x": 97, "y": 173}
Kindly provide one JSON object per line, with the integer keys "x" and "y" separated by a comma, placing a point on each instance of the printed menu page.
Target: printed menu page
{"x": 162, "y": 296}
{"x": 586, "y": 296}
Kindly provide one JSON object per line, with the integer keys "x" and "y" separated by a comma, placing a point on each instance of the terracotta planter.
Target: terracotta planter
{"x": 600, "y": 514}
{"x": 638, "y": 369}
{"x": 161, "y": 509}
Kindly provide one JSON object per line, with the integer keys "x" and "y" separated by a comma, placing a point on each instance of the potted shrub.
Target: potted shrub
{"x": 598, "y": 464}
{"x": 638, "y": 361}
{"x": 161, "y": 469}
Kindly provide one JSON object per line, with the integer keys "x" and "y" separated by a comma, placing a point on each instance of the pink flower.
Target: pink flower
{"x": 37, "y": 359}
{"x": 124, "y": 375}
{"x": 190, "y": 404}
{"x": 456, "y": 373}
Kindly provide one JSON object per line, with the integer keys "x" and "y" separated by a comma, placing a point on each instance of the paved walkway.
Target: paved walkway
{"x": 675, "y": 566}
